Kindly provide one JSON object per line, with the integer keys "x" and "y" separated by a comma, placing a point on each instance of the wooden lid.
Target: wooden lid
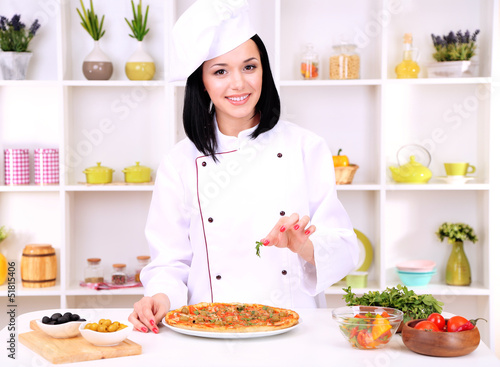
{"x": 143, "y": 257}
{"x": 94, "y": 260}
{"x": 119, "y": 265}
{"x": 42, "y": 248}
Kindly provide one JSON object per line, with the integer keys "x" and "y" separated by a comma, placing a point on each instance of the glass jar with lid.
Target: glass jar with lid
{"x": 93, "y": 273}
{"x": 142, "y": 261}
{"x": 309, "y": 64}
{"x": 119, "y": 276}
{"x": 344, "y": 62}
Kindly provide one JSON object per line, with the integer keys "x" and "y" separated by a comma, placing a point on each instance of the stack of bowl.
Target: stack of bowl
{"x": 416, "y": 272}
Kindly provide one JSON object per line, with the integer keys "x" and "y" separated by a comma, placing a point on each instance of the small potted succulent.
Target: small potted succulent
{"x": 453, "y": 54}
{"x": 14, "y": 41}
{"x": 96, "y": 65}
{"x": 458, "y": 267}
{"x": 140, "y": 66}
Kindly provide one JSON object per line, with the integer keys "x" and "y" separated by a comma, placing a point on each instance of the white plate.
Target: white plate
{"x": 455, "y": 180}
{"x": 209, "y": 334}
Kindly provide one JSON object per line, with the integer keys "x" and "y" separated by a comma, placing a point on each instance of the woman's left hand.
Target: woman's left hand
{"x": 293, "y": 233}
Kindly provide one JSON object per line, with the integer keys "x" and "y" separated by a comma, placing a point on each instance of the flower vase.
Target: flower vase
{"x": 140, "y": 66}
{"x": 458, "y": 268}
{"x": 97, "y": 65}
{"x": 3, "y": 269}
{"x": 14, "y": 65}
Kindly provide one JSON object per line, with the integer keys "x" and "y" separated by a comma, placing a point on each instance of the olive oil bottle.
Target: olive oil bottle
{"x": 408, "y": 68}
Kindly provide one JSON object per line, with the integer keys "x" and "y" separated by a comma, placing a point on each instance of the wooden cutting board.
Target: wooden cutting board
{"x": 75, "y": 349}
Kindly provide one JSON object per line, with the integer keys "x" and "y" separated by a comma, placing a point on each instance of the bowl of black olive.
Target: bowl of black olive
{"x": 60, "y": 325}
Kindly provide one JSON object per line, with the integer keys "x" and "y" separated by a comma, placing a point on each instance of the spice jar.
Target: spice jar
{"x": 344, "y": 62}
{"x": 142, "y": 261}
{"x": 309, "y": 63}
{"x": 93, "y": 273}
{"x": 118, "y": 276}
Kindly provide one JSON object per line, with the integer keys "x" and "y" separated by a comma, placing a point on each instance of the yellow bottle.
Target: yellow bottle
{"x": 408, "y": 68}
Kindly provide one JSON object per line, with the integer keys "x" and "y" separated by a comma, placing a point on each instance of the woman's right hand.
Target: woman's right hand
{"x": 148, "y": 312}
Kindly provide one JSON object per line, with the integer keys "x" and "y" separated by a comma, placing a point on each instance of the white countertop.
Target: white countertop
{"x": 315, "y": 342}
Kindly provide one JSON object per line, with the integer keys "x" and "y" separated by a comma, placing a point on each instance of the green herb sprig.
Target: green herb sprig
{"x": 90, "y": 21}
{"x": 455, "y": 46}
{"x": 138, "y": 23}
{"x": 414, "y": 306}
{"x": 257, "y": 248}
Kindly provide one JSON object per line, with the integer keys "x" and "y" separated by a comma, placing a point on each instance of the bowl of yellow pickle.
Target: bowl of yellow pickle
{"x": 105, "y": 332}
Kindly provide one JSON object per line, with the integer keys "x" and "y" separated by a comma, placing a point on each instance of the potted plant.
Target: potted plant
{"x": 457, "y": 268}
{"x": 4, "y": 233}
{"x": 97, "y": 65}
{"x": 14, "y": 41}
{"x": 453, "y": 54}
{"x": 140, "y": 66}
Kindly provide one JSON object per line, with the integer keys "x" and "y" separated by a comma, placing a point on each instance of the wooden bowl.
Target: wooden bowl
{"x": 345, "y": 175}
{"x": 439, "y": 344}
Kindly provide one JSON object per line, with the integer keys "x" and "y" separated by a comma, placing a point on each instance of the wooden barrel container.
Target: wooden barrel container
{"x": 38, "y": 266}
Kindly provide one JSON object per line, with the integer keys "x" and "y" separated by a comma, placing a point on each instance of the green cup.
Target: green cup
{"x": 357, "y": 279}
{"x": 459, "y": 169}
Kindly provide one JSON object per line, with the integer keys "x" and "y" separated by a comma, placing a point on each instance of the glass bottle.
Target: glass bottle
{"x": 118, "y": 276}
{"x": 408, "y": 68}
{"x": 93, "y": 273}
{"x": 309, "y": 64}
{"x": 344, "y": 62}
{"x": 142, "y": 261}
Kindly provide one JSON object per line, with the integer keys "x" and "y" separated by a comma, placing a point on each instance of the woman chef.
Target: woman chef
{"x": 241, "y": 176}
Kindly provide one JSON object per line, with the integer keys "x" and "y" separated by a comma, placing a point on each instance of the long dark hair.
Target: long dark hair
{"x": 198, "y": 116}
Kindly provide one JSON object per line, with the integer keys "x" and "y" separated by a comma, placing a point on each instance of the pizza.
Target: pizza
{"x": 231, "y": 317}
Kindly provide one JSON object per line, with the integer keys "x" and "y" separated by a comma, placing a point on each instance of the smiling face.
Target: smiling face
{"x": 234, "y": 83}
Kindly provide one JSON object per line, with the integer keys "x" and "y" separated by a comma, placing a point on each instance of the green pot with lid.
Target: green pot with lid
{"x": 137, "y": 174}
{"x": 99, "y": 174}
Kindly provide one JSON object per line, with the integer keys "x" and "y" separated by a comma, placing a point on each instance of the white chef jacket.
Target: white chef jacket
{"x": 205, "y": 218}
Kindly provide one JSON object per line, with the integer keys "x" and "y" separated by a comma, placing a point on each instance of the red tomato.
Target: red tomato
{"x": 438, "y": 319}
{"x": 365, "y": 339}
{"x": 426, "y": 325}
{"x": 455, "y": 322}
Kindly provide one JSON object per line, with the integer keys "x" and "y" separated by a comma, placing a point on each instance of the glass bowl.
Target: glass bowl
{"x": 367, "y": 327}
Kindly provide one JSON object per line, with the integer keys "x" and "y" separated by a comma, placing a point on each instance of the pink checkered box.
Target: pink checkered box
{"x": 46, "y": 166}
{"x": 17, "y": 166}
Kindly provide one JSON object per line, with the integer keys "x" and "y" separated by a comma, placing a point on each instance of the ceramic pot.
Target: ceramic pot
{"x": 140, "y": 66}
{"x": 458, "y": 268}
{"x": 14, "y": 65}
{"x": 99, "y": 174}
{"x": 97, "y": 65}
{"x": 137, "y": 174}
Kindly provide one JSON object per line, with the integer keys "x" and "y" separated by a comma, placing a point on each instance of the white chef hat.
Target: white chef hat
{"x": 207, "y": 29}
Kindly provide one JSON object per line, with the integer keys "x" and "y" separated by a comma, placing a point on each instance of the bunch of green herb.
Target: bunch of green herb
{"x": 90, "y": 21}
{"x": 456, "y": 232}
{"x": 138, "y": 23}
{"x": 455, "y": 47}
{"x": 13, "y": 34}
{"x": 414, "y": 306}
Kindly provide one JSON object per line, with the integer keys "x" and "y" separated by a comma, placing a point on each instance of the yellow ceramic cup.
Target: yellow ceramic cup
{"x": 459, "y": 169}
{"x": 357, "y": 279}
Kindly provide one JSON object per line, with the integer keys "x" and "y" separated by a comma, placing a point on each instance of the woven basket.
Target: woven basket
{"x": 344, "y": 175}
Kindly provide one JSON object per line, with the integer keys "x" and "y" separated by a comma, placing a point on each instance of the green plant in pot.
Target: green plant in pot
{"x": 96, "y": 65}
{"x": 458, "y": 267}
{"x": 453, "y": 53}
{"x": 140, "y": 65}
{"x": 14, "y": 41}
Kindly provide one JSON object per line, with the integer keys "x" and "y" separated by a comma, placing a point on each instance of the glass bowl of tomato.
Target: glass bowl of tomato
{"x": 367, "y": 327}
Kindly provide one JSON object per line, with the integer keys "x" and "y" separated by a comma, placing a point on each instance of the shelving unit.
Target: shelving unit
{"x": 119, "y": 122}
